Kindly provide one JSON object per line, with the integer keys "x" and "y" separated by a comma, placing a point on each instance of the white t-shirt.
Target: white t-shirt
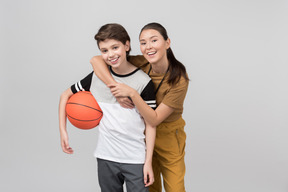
{"x": 121, "y": 131}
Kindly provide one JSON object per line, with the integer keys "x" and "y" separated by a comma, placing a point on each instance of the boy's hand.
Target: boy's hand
{"x": 148, "y": 174}
{"x": 122, "y": 93}
{"x": 65, "y": 144}
{"x": 125, "y": 102}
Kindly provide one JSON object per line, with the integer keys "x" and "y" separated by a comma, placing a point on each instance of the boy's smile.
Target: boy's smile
{"x": 114, "y": 54}
{"x": 114, "y": 60}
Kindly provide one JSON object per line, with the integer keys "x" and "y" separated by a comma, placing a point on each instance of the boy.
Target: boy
{"x": 122, "y": 153}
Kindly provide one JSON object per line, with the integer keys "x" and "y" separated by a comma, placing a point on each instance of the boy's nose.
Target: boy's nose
{"x": 110, "y": 53}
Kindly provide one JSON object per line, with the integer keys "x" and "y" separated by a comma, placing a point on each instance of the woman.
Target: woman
{"x": 171, "y": 83}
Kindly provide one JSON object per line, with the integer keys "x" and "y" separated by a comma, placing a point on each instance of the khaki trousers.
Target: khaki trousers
{"x": 168, "y": 157}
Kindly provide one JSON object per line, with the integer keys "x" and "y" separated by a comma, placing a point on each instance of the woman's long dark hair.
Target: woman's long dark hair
{"x": 176, "y": 68}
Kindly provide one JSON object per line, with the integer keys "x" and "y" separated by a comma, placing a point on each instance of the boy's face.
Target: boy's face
{"x": 113, "y": 52}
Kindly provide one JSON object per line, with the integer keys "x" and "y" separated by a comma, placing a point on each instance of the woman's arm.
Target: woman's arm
{"x": 154, "y": 118}
{"x": 102, "y": 72}
{"x": 174, "y": 97}
{"x": 150, "y": 135}
{"x": 62, "y": 121}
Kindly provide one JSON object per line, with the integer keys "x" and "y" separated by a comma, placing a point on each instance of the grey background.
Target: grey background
{"x": 236, "y": 107}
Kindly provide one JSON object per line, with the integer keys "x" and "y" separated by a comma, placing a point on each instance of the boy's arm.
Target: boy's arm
{"x": 62, "y": 121}
{"x": 150, "y": 133}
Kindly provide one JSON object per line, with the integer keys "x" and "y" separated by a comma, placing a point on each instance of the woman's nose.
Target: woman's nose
{"x": 148, "y": 46}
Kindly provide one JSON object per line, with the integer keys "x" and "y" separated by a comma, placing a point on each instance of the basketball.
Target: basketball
{"x": 83, "y": 110}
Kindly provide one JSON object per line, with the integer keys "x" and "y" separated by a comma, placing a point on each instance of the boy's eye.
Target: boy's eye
{"x": 115, "y": 47}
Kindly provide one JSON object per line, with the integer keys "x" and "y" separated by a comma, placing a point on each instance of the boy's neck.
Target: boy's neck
{"x": 124, "y": 68}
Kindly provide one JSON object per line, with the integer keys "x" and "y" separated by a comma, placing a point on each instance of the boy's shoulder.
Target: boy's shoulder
{"x": 142, "y": 75}
{"x": 137, "y": 79}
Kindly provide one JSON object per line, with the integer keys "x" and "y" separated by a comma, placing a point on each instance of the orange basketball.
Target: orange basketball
{"x": 83, "y": 110}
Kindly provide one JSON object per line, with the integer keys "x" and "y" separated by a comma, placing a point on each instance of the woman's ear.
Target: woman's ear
{"x": 168, "y": 42}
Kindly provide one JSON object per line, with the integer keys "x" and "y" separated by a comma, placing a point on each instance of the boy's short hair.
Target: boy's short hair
{"x": 113, "y": 31}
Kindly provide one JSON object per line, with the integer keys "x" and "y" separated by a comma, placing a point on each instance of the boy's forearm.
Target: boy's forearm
{"x": 62, "y": 113}
{"x": 101, "y": 70}
{"x": 62, "y": 116}
{"x": 150, "y": 142}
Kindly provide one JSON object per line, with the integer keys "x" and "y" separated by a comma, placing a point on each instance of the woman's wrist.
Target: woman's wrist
{"x": 133, "y": 94}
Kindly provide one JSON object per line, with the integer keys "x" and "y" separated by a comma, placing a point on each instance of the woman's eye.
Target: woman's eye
{"x": 154, "y": 40}
{"x": 104, "y": 51}
{"x": 142, "y": 43}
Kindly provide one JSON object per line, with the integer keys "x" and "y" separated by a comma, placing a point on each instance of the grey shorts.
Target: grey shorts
{"x": 112, "y": 175}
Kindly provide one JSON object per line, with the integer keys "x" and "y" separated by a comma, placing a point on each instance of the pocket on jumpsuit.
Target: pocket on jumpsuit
{"x": 178, "y": 140}
{"x": 181, "y": 140}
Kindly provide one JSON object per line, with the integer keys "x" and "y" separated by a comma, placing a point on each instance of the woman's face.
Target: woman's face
{"x": 153, "y": 46}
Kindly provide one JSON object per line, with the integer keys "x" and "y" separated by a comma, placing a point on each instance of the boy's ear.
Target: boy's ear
{"x": 127, "y": 46}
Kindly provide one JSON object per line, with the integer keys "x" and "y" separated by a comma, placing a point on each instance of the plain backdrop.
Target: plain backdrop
{"x": 236, "y": 108}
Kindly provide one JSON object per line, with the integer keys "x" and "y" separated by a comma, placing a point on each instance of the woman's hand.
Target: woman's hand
{"x": 121, "y": 90}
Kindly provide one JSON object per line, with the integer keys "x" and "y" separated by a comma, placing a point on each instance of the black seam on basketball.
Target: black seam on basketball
{"x": 84, "y": 106}
{"x": 85, "y": 120}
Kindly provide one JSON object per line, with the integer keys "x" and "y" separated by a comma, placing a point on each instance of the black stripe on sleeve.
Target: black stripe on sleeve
{"x": 148, "y": 95}
{"x": 83, "y": 85}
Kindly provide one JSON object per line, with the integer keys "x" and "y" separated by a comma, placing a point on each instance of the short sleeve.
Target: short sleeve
{"x": 176, "y": 94}
{"x": 148, "y": 95}
{"x": 83, "y": 85}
